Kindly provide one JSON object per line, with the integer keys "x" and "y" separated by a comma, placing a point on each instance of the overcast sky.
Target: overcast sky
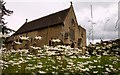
{"x": 105, "y": 14}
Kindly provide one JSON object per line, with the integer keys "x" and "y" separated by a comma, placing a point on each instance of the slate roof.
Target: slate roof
{"x": 50, "y": 20}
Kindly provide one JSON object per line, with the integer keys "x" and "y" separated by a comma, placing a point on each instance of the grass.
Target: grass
{"x": 51, "y": 64}
{"x": 59, "y": 60}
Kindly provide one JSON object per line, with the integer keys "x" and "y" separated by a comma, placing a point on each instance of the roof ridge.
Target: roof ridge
{"x": 48, "y": 20}
{"x": 49, "y": 14}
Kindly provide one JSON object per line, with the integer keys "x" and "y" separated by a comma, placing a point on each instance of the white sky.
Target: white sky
{"x": 102, "y": 11}
{"x": 61, "y": 0}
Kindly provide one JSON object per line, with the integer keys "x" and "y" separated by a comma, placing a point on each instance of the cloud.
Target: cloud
{"x": 30, "y": 11}
{"x": 95, "y": 0}
{"x": 43, "y": 1}
{"x": 104, "y": 15}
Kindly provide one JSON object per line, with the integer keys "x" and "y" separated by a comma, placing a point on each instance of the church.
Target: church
{"x": 61, "y": 25}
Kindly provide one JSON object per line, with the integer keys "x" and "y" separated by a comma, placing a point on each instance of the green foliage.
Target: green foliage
{"x": 23, "y": 62}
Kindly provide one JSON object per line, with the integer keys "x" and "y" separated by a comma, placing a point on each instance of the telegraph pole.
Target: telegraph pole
{"x": 104, "y": 28}
{"x": 92, "y": 23}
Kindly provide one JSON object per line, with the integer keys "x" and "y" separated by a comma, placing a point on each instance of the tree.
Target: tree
{"x": 3, "y": 28}
{"x": 3, "y": 12}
